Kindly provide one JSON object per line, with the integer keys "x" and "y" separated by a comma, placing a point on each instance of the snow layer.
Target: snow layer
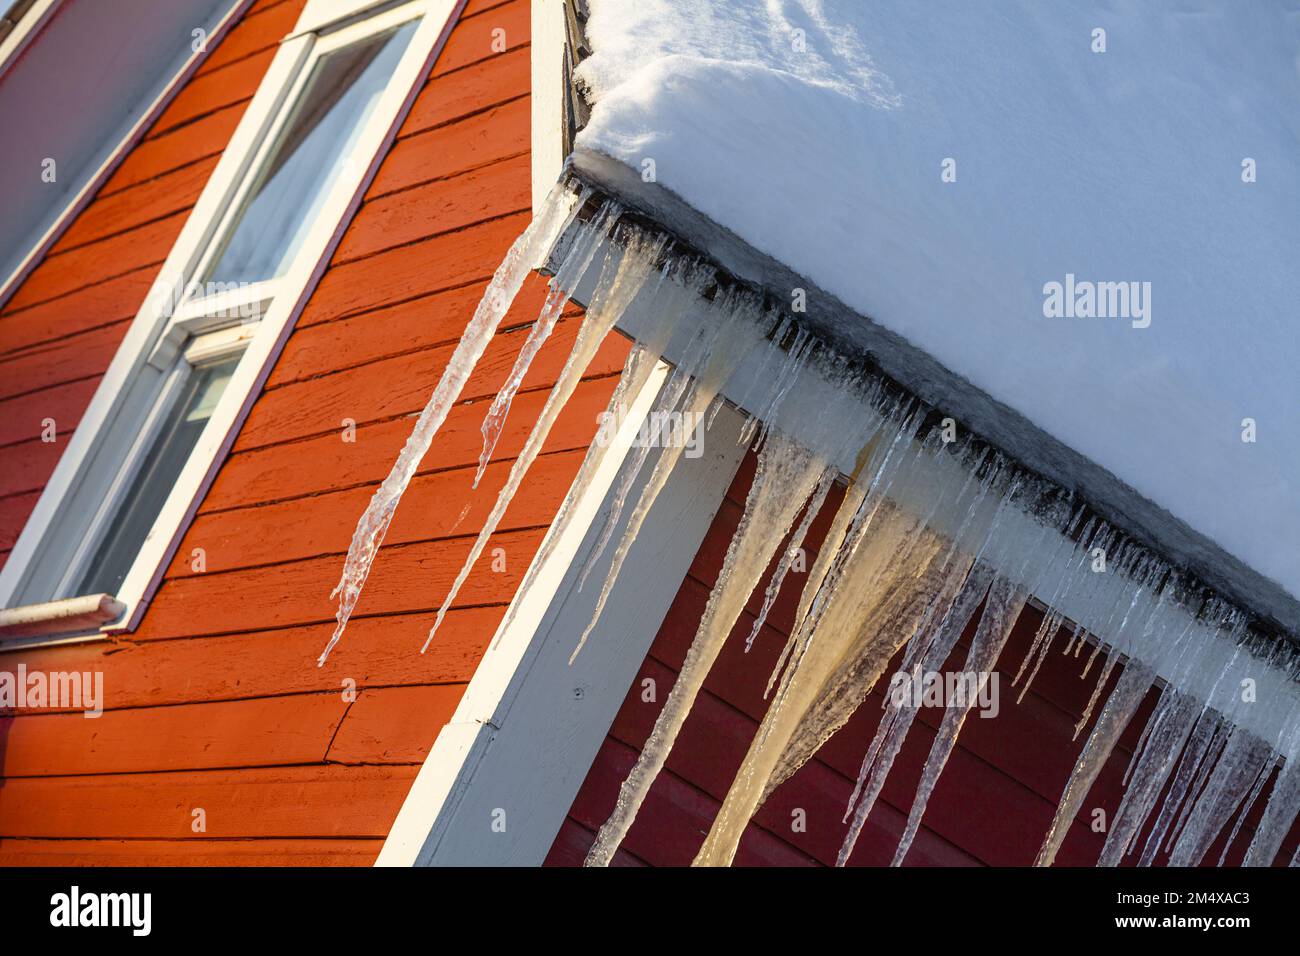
{"x": 825, "y": 148}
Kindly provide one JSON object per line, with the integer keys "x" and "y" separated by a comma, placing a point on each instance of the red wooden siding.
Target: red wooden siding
{"x": 992, "y": 804}
{"x": 216, "y": 701}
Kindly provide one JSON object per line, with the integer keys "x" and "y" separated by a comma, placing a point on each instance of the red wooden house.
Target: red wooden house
{"x": 209, "y": 366}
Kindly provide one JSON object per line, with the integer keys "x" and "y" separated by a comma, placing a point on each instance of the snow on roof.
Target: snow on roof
{"x": 937, "y": 165}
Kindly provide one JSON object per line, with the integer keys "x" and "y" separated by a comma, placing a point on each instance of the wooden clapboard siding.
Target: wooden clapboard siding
{"x": 193, "y": 851}
{"x": 251, "y": 804}
{"x": 215, "y": 701}
{"x": 992, "y": 805}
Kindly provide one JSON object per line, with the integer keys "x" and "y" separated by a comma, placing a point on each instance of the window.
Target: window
{"x": 185, "y": 406}
{"x": 145, "y": 450}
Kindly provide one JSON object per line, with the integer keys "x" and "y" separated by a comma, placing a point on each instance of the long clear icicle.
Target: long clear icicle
{"x": 791, "y": 553}
{"x": 784, "y": 479}
{"x": 557, "y": 297}
{"x": 720, "y": 362}
{"x": 877, "y": 592}
{"x": 641, "y": 362}
{"x": 631, "y": 470}
{"x": 606, "y": 306}
{"x": 1171, "y": 723}
{"x": 525, "y": 253}
{"x": 896, "y": 722}
{"x": 1001, "y": 609}
{"x": 1133, "y": 685}
{"x": 1279, "y": 816}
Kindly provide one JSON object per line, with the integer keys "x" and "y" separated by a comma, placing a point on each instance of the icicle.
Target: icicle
{"x": 718, "y": 366}
{"x": 1279, "y": 816}
{"x": 1115, "y": 637}
{"x": 791, "y": 552}
{"x": 1133, "y": 685}
{"x": 680, "y": 295}
{"x": 1042, "y": 643}
{"x": 606, "y": 306}
{"x": 876, "y": 612}
{"x": 897, "y": 721}
{"x": 1003, "y": 607}
{"x": 529, "y": 249}
{"x": 1260, "y": 779}
{"x": 641, "y": 362}
{"x": 1239, "y": 765}
{"x": 885, "y": 579}
{"x": 1170, "y": 725}
{"x": 853, "y": 497}
{"x": 557, "y": 298}
{"x": 628, "y": 474}
{"x": 926, "y": 652}
{"x": 1198, "y": 752}
{"x": 786, "y": 475}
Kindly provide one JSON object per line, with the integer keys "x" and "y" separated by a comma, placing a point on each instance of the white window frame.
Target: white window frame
{"x": 163, "y": 325}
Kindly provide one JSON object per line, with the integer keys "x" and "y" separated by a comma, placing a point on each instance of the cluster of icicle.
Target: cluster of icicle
{"x": 929, "y": 534}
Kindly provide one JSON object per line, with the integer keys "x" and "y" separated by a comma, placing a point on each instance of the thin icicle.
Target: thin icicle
{"x": 1279, "y": 816}
{"x": 557, "y": 297}
{"x": 1003, "y": 607}
{"x": 896, "y": 722}
{"x": 1260, "y": 780}
{"x": 786, "y": 475}
{"x": 1170, "y": 724}
{"x": 631, "y": 470}
{"x": 641, "y": 362}
{"x": 791, "y": 552}
{"x": 635, "y": 373}
{"x": 1223, "y": 735}
{"x": 1198, "y": 751}
{"x": 1133, "y": 685}
{"x": 633, "y": 269}
{"x": 1038, "y": 650}
{"x": 720, "y": 363}
{"x": 526, "y": 252}
{"x": 1115, "y": 638}
{"x": 1237, "y": 768}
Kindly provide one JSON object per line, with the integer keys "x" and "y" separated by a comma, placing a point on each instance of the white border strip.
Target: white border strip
{"x": 549, "y": 38}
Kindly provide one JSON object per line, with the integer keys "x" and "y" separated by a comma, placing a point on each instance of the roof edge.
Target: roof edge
{"x": 935, "y": 384}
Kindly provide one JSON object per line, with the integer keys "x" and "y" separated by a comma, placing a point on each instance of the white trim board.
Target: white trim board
{"x": 529, "y": 726}
{"x": 274, "y": 326}
{"x": 549, "y": 39}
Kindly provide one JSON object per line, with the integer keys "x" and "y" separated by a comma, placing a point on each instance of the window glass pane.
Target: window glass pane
{"x": 162, "y": 464}
{"x": 337, "y": 99}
